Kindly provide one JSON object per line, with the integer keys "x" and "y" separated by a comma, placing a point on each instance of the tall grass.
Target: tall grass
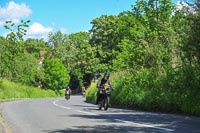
{"x": 91, "y": 93}
{"x": 92, "y": 90}
{"x": 170, "y": 91}
{"x": 15, "y": 90}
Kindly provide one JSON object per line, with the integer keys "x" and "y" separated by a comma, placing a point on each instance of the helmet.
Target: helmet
{"x": 106, "y": 75}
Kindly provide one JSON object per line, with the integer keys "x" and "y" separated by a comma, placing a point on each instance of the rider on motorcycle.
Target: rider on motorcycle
{"x": 68, "y": 90}
{"x": 101, "y": 83}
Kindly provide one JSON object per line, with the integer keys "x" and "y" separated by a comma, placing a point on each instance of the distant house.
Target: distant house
{"x": 42, "y": 53}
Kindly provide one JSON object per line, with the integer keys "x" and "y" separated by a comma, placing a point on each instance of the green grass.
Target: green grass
{"x": 149, "y": 91}
{"x": 0, "y": 114}
{"x": 91, "y": 93}
{"x": 92, "y": 90}
{"x": 15, "y": 90}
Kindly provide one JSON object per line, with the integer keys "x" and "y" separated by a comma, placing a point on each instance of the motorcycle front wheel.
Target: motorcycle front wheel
{"x": 106, "y": 104}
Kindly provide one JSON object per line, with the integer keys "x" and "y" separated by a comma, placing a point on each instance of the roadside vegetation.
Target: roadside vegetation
{"x": 16, "y": 90}
{"x": 151, "y": 51}
{"x": 156, "y": 62}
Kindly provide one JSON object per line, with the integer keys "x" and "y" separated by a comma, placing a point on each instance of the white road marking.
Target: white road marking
{"x": 145, "y": 125}
{"x": 129, "y": 122}
{"x": 86, "y": 112}
{"x": 60, "y": 105}
{"x": 65, "y": 107}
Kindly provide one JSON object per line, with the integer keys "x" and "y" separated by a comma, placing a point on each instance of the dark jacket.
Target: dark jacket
{"x": 102, "y": 82}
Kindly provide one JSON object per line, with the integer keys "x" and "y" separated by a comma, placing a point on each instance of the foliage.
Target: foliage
{"x": 16, "y": 31}
{"x": 91, "y": 93}
{"x": 28, "y": 71}
{"x": 154, "y": 48}
{"x": 150, "y": 91}
{"x": 159, "y": 52}
{"x": 77, "y": 55}
{"x": 56, "y": 75}
{"x": 104, "y": 37}
{"x": 34, "y": 46}
{"x": 15, "y": 90}
{"x": 85, "y": 63}
{"x": 16, "y": 63}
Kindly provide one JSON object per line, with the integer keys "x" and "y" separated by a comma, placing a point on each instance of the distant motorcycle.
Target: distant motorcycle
{"x": 67, "y": 95}
{"x": 104, "y": 99}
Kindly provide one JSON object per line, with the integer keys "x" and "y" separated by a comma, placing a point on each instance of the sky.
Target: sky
{"x": 69, "y": 16}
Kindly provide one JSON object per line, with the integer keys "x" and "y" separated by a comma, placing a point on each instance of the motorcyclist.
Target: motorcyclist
{"x": 101, "y": 83}
{"x": 68, "y": 90}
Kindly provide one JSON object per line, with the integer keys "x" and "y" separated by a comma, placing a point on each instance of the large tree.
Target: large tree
{"x": 105, "y": 38}
{"x": 86, "y": 61}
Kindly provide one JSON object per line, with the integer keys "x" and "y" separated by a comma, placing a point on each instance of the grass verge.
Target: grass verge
{"x": 10, "y": 90}
{"x": 150, "y": 91}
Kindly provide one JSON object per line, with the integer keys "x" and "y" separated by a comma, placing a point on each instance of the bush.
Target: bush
{"x": 91, "y": 93}
{"x": 28, "y": 71}
{"x": 152, "y": 90}
{"x": 56, "y": 76}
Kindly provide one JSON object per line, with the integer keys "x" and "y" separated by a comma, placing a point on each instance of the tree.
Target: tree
{"x": 56, "y": 75}
{"x": 34, "y": 46}
{"x": 104, "y": 37}
{"x": 28, "y": 71}
{"x": 16, "y": 31}
{"x": 56, "y": 39}
{"x": 86, "y": 59}
{"x": 62, "y": 49}
{"x": 16, "y": 64}
{"x": 188, "y": 30}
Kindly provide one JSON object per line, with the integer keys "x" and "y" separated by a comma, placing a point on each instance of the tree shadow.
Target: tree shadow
{"x": 105, "y": 129}
{"x": 85, "y": 106}
{"x": 177, "y": 123}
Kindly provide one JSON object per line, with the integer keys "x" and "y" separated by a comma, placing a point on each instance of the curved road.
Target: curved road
{"x": 76, "y": 116}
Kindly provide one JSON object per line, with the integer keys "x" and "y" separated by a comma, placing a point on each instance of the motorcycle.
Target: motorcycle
{"x": 104, "y": 99}
{"x": 67, "y": 95}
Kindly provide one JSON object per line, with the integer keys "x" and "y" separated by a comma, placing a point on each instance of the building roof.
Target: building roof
{"x": 42, "y": 53}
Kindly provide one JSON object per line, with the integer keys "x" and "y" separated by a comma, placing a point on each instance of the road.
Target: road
{"x": 77, "y": 116}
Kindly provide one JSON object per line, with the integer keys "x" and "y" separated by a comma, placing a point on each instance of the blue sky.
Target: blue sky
{"x": 69, "y": 16}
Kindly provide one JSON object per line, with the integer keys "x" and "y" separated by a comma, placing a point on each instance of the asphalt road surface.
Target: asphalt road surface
{"x": 77, "y": 116}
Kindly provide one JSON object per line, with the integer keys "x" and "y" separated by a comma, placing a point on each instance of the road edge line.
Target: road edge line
{"x": 145, "y": 125}
{"x": 54, "y": 103}
{"x": 86, "y": 112}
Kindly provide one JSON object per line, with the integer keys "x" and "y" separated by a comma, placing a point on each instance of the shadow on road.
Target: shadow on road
{"x": 105, "y": 129}
{"x": 179, "y": 123}
{"x": 85, "y": 106}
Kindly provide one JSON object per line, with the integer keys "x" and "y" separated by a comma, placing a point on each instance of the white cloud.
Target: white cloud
{"x": 14, "y": 12}
{"x": 37, "y": 30}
